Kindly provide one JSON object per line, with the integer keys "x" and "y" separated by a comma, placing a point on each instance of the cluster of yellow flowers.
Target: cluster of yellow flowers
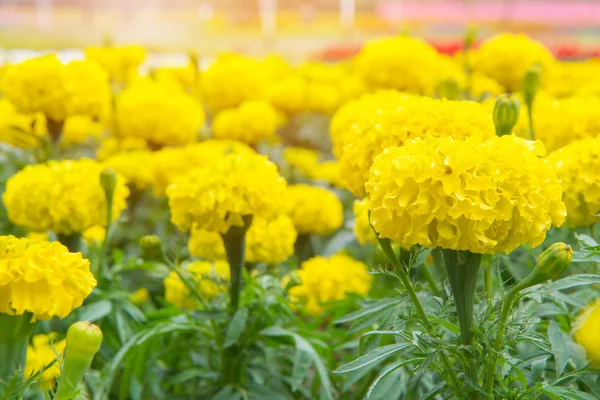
{"x": 251, "y": 122}
{"x": 314, "y": 210}
{"x": 267, "y": 241}
{"x": 394, "y": 124}
{"x": 219, "y": 196}
{"x": 121, "y": 62}
{"x": 149, "y": 111}
{"x": 43, "y": 350}
{"x": 41, "y": 278}
{"x": 482, "y": 196}
{"x": 210, "y": 279}
{"x": 577, "y": 166}
{"x": 65, "y": 197}
{"x": 327, "y": 279}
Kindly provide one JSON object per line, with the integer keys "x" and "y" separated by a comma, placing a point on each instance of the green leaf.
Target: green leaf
{"x": 375, "y": 356}
{"x": 559, "y": 347}
{"x": 236, "y": 327}
{"x": 370, "y": 309}
{"x": 574, "y": 281}
{"x": 302, "y": 361}
{"x": 228, "y": 393}
{"x": 95, "y": 311}
{"x": 389, "y": 370}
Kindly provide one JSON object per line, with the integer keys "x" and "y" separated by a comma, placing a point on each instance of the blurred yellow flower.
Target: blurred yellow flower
{"x": 119, "y": 61}
{"x": 587, "y": 331}
{"x": 219, "y": 196}
{"x": 328, "y": 279}
{"x": 135, "y": 166}
{"x": 94, "y": 234}
{"x": 62, "y": 196}
{"x": 79, "y": 128}
{"x": 140, "y": 296}
{"x": 41, "y": 278}
{"x": 577, "y": 166}
{"x": 314, "y": 210}
{"x": 149, "y": 111}
{"x": 288, "y": 95}
{"x": 88, "y": 88}
{"x": 482, "y": 196}
{"x": 505, "y": 57}
{"x": 362, "y": 229}
{"x": 18, "y": 129}
{"x": 572, "y": 78}
{"x": 44, "y": 350}
{"x": 249, "y": 123}
{"x": 209, "y": 278}
{"x": 111, "y": 146}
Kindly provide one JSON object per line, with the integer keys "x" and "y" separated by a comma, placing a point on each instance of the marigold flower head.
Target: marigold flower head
{"x": 219, "y": 196}
{"x": 183, "y": 78}
{"x": 577, "y": 166}
{"x": 505, "y": 58}
{"x": 269, "y": 242}
{"x": 62, "y": 196}
{"x": 44, "y": 350}
{"x": 586, "y": 331}
{"x": 314, "y": 210}
{"x": 18, "y": 129}
{"x": 233, "y": 79}
{"x": 80, "y": 128}
{"x": 323, "y": 98}
{"x": 288, "y": 95}
{"x": 210, "y": 279}
{"x": 482, "y": 196}
{"x": 328, "y": 279}
{"x": 305, "y": 160}
{"x": 41, "y": 278}
{"x": 362, "y": 228}
{"x": 249, "y": 123}
{"x": 170, "y": 163}
{"x": 88, "y": 87}
{"x": 111, "y": 146}
{"x": 394, "y": 125}
{"x": 149, "y": 111}
{"x": 572, "y": 78}
{"x": 134, "y": 166}
{"x": 119, "y": 61}
{"x": 402, "y": 63}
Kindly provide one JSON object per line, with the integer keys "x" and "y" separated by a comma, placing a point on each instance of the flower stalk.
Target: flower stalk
{"x": 235, "y": 248}
{"x": 531, "y": 85}
{"x": 14, "y": 337}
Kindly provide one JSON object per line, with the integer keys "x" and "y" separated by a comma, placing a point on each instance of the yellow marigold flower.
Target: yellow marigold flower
{"x": 323, "y": 98}
{"x": 328, "y": 279}
{"x": 112, "y": 146}
{"x": 350, "y": 112}
{"x": 483, "y": 196}
{"x": 505, "y": 58}
{"x": 170, "y": 163}
{"x": 134, "y": 166}
{"x": 210, "y": 279}
{"x": 233, "y": 79}
{"x": 41, "y": 278}
{"x": 140, "y": 296}
{"x": 314, "y": 210}
{"x": 219, "y": 196}
{"x": 79, "y": 128}
{"x": 577, "y": 165}
{"x": 37, "y": 235}
{"x": 394, "y": 125}
{"x": 62, "y": 196}
{"x": 88, "y": 87}
{"x": 288, "y": 95}
{"x": 402, "y": 63}
{"x": 269, "y": 242}
{"x": 119, "y": 61}
{"x": 182, "y": 78}
{"x": 149, "y": 111}
{"x": 362, "y": 229}
{"x": 305, "y": 160}
{"x": 572, "y": 78}
{"x": 20, "y": 130}
{"x": 328, "y": 171}
{"x": 249, "y": 123}
{"x": 587, "y": 331}
{"x": 43, "y": 351}
{"x": 94, "y": 234}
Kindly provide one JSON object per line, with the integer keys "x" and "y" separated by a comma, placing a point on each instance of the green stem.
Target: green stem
{"x": 103, "y": 253}
{"x": 304, "y": 248}
{"x": 73, "y": 371}
{"x": 72, "y": 241}
{"x": 530, "y": 119}
{"x": 488, "y": 282}
{"x": 432, "y": 285}
{"x": 14, "y": 338}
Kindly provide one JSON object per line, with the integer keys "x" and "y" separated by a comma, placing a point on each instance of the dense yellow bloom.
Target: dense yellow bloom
{"x": 170, "y": 163}
{"x": 111, "y": 146}
{"x": 41, "y": 278}
{"x": 45, "y": 85}
{"x": 505, "y": 58}
{"x": 79, "y": 128}
{"x": 323, "y": 98}
{"x": 185, "y": 78}
{"x": 20, "y": 130}
{"x": 314, "y": 210}
{"x": 354, "y": 110}
{"x": 134, "y": 166}
{"x": 233, "y": 79}
{"x": 219, "y": 196}
{"x": 149, "y": 111}
{"x": 572, "y": 78}
{"x": 119, "y": 61}
{"x": 402, "y": 63}
{"x": 362, "y": 229}
{"x": 249, "y": 123}
{"x": 328, "y": 171}
{"x": 45, "y": 350}
{"x": 483, "y": 196}
{"x": 305, "y": 160}
{"x": 269, "y": 242}
{"x": 577, "y": 165}
{"x": 328, "y": 279}
{"x": 62, "y": 196}
{"x": 210, "y": 279}
{"x": 96, "y": 234}
{"x": 394, "y": 125}
{"x": 289, "y": 94}
{"x": 587, "y": 332}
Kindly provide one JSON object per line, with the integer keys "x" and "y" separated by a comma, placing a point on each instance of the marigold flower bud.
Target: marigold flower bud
{"x": 151, "y": 246}
{"x": 83, "y": 339}
{"x": 531, "y": 83}
{"x": 554, "y": 260}
{"x": 449, "y": 89}
{"x": 506, "y": 114}
{"x": 108, "y": 180}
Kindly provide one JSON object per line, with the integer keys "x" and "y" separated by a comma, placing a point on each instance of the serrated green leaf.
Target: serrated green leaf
{"x": 373, "y": 357}
{"x": 236, "y": 327}
{"x": 574, "y": 281}
{"x": 559, "y": 347}
{"x": 370, "y": 309}
{"x": 389, "y": 369}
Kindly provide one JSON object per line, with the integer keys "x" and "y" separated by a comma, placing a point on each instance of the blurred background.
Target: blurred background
{"x": 325, "y": 29}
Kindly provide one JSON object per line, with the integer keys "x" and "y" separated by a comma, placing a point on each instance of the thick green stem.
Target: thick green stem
{"x": 304, "y": 248}
{"x": 15, "y": 331}
{"x": 73, "y": 241}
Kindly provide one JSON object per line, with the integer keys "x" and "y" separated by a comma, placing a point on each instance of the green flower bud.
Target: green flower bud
{"x": 470, "y": 37}
{"x": 108, "y": 181}
{"x": 449, "y": 89}
{"x": 554, "y": 260}
{"x": 151, "y": 246}
{"x": 531, "y": 84}
{"x": 506, "y": 114}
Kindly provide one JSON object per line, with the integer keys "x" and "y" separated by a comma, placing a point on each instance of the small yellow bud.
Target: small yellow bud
{"x": 506, "y": 114}
{"x": 555, "y": 260}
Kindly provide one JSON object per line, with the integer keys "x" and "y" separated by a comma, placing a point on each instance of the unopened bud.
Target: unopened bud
{"x": 554, "y": 260}
{"x": 531, "y": 84}
{"x": 83, "y": 339}
{"x": 151, "y": 246}
{"x": 449, "y": 89}
{"x": 506, "y": 114}
{"x": 108, "y": 181}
